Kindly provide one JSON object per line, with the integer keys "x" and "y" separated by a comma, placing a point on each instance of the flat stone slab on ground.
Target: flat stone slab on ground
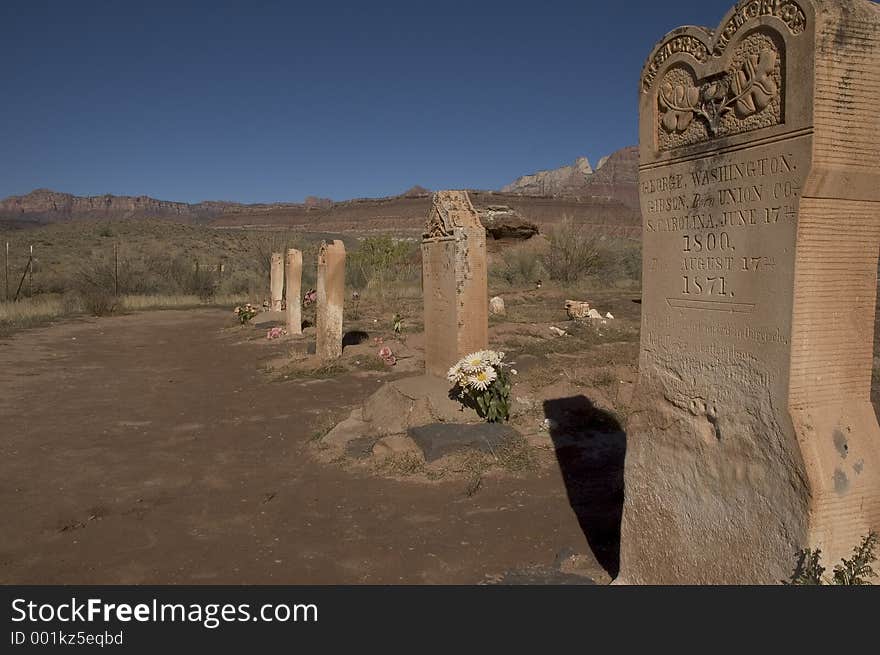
{"x": 348, "y": 430}
{"x": 269, "y": 319}
{"x": 540, "y": 575}
{"x": 439, "y": 439}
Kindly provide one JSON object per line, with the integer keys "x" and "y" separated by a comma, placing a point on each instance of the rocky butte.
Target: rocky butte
{"x": 615, "y": 177}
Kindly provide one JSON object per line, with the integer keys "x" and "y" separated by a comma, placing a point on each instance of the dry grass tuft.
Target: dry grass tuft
{"x": 136, "y": 302}
{"x": 401, "y": 465}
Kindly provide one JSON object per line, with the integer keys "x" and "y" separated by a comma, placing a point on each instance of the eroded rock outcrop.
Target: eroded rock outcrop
{"x": 616, "y": 177}
{"x": 503, "y": 222}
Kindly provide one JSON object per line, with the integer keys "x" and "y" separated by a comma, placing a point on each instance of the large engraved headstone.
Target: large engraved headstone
{"x": 760, "y": 194}
{"x": 331, "y": 300}
{"x": 276, "y": 281}
{"x": 454, "y": 282}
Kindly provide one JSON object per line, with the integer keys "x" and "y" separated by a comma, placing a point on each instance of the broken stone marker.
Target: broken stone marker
{"x": 276, "y": 281}
{"x": 577, "y": 310}
{"x": 331, "y": 298}
{"x": 454, "y": 282}
{"x": 294, "y": 289}
{"x": 760, "y": 195}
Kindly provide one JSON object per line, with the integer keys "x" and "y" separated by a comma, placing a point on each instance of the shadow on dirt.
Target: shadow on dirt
{"x": 354, "y": 337}
{"x": 590, "y": 446}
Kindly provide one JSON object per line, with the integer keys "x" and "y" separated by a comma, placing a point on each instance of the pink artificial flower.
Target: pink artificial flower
{"x": 275, "y": 333}
{"x": 387, "y": 356}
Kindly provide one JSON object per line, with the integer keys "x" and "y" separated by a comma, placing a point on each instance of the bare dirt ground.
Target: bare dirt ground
{"x": 155, "y": 448}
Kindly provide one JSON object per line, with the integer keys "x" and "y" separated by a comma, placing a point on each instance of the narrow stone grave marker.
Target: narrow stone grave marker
{"x": 331, "y": 299}
{"x": 276, "y": 281}
{"x": 293, "y": 291}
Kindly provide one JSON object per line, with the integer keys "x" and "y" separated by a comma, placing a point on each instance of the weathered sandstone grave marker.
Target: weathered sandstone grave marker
{"x": 454, "y": 282}
{"x": 293, "y": 277}
{"x": 760, "y": 192}
{"x": 331, "y": 298}
{"x": 276, "y": 281}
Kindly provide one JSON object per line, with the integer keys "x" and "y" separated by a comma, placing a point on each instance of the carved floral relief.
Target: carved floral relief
{"x": 747, "y": 96}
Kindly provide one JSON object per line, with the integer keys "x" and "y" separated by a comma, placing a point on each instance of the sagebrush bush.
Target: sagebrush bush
{"x": 573, "y": 253}
{"x": 98, "y": 302}
{"x": 618, "y": 259}
{"x": 380, "y": 263}
{"x": 579, "y": 251}
{"x": 520, "y": 265}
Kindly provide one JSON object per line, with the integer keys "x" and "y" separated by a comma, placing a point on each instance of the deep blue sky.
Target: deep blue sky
{"x": 258, "y": 101}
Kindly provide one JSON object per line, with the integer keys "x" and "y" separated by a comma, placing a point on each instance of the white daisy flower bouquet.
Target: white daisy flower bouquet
{"x": 481, "y": 381}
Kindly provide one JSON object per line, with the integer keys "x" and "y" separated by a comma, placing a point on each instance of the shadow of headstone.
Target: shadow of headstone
{"x": 590, "y": 447}
{"x": 354, "y": 337}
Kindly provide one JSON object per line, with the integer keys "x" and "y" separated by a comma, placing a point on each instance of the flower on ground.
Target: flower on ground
{"x": 387, "y": 356}
{"x": 245, "y": 313}
{"x": 482, "y": 379}
{"x": 455, "y": 373}
{"x": 276, "y": 332}
{"x": 473, "y": 363}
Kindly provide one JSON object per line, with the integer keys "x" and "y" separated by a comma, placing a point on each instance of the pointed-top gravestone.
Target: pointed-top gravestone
{"x": 454, "y": 281}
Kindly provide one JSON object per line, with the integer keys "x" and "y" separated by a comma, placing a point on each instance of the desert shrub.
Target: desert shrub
{"x": 631, "y": 260}
{"x": 519, "y": 266}
{"x": 202, "y": 283}
{"x": 259, "y": 246}
{"x": 617, "y": 260}
{"x": 98, "y": 302}
{"x": 241, "y": 282}
{"x": 382, "y": 262}
{"x": 94, "y": 273}
{"x": 71, "y": 303}
{"x": 573, "y": 253}
{"x": 856, "y": 570}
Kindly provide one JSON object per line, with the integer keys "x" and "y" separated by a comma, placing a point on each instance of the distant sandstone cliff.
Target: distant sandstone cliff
{"x": 46, "y": 206}
{"x": 615, "y": 177}
{"x": 606, "y": 198}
